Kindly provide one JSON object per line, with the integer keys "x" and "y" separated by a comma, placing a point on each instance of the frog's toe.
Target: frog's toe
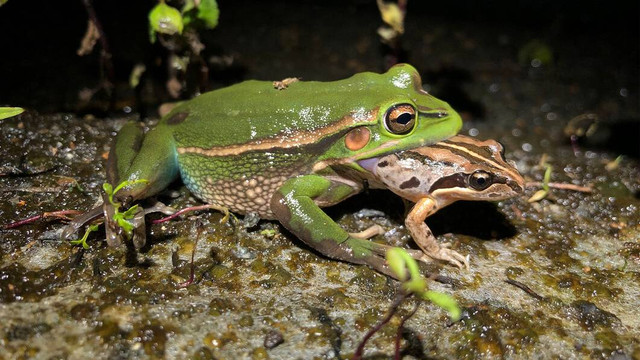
{"x": 448, "y": 255}
{"x": 368, "y": 233}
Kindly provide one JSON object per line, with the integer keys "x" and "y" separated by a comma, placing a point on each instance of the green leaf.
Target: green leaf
{"x": 164, "y": 19}
{"x": 123, "y": 223}
{"x": 130, "y": 212}
{"x": 7, "y": 112}
{"x": 444, "y": 301}
{"x": 209, "y": 13}
{"x": 396, "y": 263}
{"x": 402, "y": 264}
{"x": 188, "y": 5}
{"x": 108, "y": 189}
{"x": 547, "y": 178}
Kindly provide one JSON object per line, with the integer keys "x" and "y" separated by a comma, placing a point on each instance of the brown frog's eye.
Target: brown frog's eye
{"x": 400, "y": 119}
{"x": 480, "y": 180}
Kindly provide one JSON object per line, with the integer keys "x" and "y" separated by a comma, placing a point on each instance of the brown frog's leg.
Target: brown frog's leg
{"x": 423, "y": 236}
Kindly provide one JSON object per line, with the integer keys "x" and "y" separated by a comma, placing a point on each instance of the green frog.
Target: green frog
{"x": 459, "y": 168}
{"x": 281, "y": 151}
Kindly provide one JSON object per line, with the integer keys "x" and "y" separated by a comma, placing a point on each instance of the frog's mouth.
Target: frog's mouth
{"x": 369, "y": 164}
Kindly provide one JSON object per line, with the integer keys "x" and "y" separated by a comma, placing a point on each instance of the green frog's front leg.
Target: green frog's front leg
{"x": 294, "y": 205}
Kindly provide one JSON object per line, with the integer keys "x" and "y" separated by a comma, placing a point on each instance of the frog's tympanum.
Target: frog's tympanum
{"x": 281, "y": 153}
{"x": 460, "y": 168}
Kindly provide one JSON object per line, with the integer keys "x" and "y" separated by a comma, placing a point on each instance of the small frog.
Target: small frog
{"x": 281, "y": 153}
{"x": 459, "y": 168}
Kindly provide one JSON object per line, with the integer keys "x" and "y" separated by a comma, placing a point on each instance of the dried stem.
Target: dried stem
{"x": 192, "y": 208}
{"x": 61, "y": 214}
{"x": 392, "y": 310}
{"x": 401, "y": 327}
{"x": 105, "y": 53}
{"x": 563, "y": 186}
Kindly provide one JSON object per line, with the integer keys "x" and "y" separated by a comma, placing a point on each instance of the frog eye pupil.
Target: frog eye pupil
{"x": 404, "y": 118}
{"x": 480, "y": 180}
{"x": 400, "y": 119}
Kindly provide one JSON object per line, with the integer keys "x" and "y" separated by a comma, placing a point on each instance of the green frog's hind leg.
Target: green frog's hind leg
{"x": 294, "y": 206}
{"x": 135, "y": 156}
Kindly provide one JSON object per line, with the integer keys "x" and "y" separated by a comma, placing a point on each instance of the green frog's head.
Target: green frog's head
{"x": 393, "y": 113}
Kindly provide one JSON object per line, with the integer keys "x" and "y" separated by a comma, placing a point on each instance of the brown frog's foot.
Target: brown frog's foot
{"x": 368, "y": 233}
{"x": 444, "y": 253}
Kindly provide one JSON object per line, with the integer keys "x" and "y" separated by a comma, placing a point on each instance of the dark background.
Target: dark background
{"x": 456, "y": 44}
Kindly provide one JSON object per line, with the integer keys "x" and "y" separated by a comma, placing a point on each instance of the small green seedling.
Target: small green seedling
{"x": 407, "y": 271}
{"x": 164, "y": 19}
{"x": 121, "y": 218}
{"x": 542, "y": 193}
{"x": 405, "y": 268}
{"x": 83, "y": 240}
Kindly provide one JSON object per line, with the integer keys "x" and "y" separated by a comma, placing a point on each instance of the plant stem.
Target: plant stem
{"x": 392, "y": 310}
{"x": 105, "y": 53}
{"x": 401, "y": 327}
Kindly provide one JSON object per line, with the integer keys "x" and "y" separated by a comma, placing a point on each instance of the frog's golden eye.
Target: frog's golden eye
{"x": 480, "y": 180}
{"x": 400, "y": 119}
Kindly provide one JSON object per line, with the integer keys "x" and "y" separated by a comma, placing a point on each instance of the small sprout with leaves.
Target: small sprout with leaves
{"x": 408, "y": 272}
{"x": 122, "y": 218}
{"x": 406, "y": 269}
{"x": 83, "y": 240}
{"x": 542, "y": 193}
{"x": 164, "y": 19}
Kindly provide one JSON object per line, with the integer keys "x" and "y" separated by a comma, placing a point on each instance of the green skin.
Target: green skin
{"x": 282, "y": 154}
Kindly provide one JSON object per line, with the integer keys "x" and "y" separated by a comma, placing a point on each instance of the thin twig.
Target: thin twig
{"x": 392, "y": 310}
{"x": 524, "y": 288}
{"x": 191, "y": 208}
{"x": 105, "y": 53}
{"x": 61, "y": 214}
{"x": 401, "y": 327}
{"x": 563, "y": 186}
{"x": 192, "y": 273}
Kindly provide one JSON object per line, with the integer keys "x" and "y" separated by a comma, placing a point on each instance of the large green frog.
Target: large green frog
{"x": 282, "y": 153}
